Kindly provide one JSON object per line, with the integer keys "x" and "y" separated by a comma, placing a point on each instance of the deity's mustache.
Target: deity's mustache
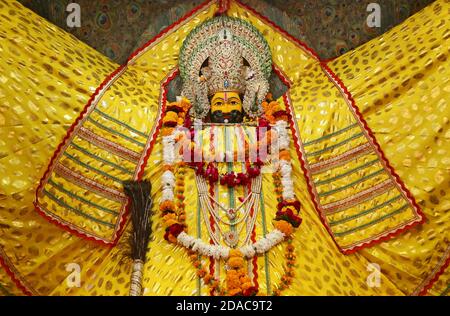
{"x": 234, "y": 116}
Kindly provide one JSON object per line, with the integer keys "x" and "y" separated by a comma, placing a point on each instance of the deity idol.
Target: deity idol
{"x": 225, "y": 65}
{"x": 237, "y": 163}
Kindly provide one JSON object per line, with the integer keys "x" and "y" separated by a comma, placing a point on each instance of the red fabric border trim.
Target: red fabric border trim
{"x": 212, "y": 222}
{"x": 77, "y": 232}
{"x": 163, "y": 101}
{"x": 436, "y": 277}
{"x": 14, "y": 278}
{"x": 56, "y": 154}
{"x": 253, "y": 237}
{"x": 255, "y": 261}
{"x": 211, "y": 225}
{"x": 311, "y": 190}
{"x": 295, "y": 137}
{"x": 387, "y": 165}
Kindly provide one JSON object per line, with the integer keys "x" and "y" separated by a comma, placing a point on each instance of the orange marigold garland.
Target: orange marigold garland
{"x": 174, "y": 214}
{"x": 273, "y": 110}
{"x": 285, "y": 221}
{"x": 237, "y": 280}
{"x": 202, "y": 273}
{"x": 173, "y": 187}
{"x": 289, "y": 271}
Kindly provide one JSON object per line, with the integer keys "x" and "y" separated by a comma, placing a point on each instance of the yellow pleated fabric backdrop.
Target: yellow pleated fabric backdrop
{"x": 399, "y": 81}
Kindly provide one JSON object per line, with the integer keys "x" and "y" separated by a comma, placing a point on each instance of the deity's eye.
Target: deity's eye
{"x": 234, "y": 103}
{"x": 218, "y": 103}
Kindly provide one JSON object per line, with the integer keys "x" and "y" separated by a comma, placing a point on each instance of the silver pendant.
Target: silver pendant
{"x": 231, "y": 238}
{"x": 231, "y": 214}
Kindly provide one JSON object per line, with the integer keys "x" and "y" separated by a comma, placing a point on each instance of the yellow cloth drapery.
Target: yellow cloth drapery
{"x": 38, "y": 251}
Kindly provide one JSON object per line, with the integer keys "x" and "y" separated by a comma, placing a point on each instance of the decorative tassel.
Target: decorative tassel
{"x": 139, "y": 193}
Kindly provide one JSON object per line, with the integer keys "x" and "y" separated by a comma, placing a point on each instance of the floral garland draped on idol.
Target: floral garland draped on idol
{"x": 241, "y": 130}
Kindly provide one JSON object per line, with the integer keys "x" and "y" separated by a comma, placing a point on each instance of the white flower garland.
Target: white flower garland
{"x": 285, "y": 166}
{"x": 167, "y": 183}
{"x": 283, "y": 137}
{"x": 261, "y": 246}
{"x": 168, "y": 178}
{"x": 168, "y": 143}
{"x": 286, "y": 180}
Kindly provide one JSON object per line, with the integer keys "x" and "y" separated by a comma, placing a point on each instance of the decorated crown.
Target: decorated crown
{"x": 225, "y": 54}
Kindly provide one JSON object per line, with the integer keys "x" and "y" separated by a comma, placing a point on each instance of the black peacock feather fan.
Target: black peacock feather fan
{"x": 139, "y": 193}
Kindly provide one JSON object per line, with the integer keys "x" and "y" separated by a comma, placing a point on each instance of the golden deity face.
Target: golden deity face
{"x": 226, "y": 107}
